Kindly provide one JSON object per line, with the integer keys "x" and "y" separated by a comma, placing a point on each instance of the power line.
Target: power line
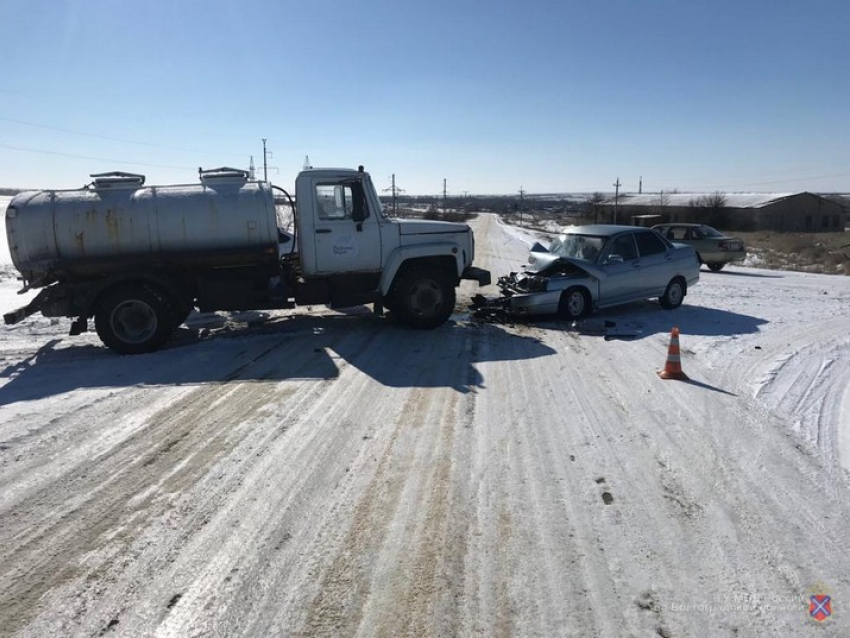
{"x": 95, "y": 159}
{"x": 100, "y": 136}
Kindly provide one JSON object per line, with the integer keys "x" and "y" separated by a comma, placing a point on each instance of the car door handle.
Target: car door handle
{"x": 323, "y": 231}
{"x": 636, "y": 265}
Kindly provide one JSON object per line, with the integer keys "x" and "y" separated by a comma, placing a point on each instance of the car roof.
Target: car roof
{"x": 689, "y": 224}
{"x": 602, "y": 230}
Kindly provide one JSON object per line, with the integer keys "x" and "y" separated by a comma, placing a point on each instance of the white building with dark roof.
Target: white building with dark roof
{"x": 788, "y": 212}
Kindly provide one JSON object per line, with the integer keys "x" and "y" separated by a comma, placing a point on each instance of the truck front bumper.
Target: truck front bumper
{"x": 477, "y": 274}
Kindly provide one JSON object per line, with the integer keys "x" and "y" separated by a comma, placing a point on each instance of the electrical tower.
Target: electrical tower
{"x": 395, "y": 189}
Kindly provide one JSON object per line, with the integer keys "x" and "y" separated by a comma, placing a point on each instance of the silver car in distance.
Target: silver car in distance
{"x": 589, "y": 268}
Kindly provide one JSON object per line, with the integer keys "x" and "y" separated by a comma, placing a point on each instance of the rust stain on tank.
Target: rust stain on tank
{"x": 112, "y": 226}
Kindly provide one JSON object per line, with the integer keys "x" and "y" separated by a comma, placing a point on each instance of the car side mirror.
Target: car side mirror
{"x": 614, "y": 259}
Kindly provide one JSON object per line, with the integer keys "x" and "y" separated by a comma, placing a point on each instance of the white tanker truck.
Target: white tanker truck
{"x": 139, "y": 258}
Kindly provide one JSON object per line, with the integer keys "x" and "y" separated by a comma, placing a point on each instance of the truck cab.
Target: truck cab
{"x": 351, "y": 251}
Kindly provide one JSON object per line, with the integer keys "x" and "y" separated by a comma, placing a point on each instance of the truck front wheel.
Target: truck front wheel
{"x": 423, "y": 299}
{"x": 134, "y": 320}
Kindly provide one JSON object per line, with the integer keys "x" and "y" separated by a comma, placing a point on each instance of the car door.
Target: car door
{"x": 656, "y": 260}
{"x": 622, "y": 267}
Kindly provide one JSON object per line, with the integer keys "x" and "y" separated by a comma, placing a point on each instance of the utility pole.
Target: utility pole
{"x": 265, "y": 162}
{"x": 640, "y": 185}
{"x": 616, "y": 199}
{"x": 521, "y": 193}
{"x": 444, "y": 196}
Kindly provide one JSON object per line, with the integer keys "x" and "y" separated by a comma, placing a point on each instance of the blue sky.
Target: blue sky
{"x": 743, "y": 95}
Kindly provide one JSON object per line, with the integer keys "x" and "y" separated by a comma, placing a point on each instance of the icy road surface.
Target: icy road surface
{"x": 330, "y": 474}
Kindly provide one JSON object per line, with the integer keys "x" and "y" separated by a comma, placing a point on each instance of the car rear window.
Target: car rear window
{"x": 708, "y": 231}
{"x": 675, "y": 233}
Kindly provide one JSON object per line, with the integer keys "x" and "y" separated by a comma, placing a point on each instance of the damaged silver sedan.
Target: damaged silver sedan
{"x": 589, "y": 268}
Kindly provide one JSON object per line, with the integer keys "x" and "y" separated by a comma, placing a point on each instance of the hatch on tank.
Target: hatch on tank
{"x": 222, "y": 175}
{"x": 117, "y": 179}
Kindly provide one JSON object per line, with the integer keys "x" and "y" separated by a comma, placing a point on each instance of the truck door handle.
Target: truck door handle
{"x": 323, "y": 230}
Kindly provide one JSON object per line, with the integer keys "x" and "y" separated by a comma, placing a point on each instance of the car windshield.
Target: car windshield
{"x": 708, "y": 231}
{"x": 576, "y": 246}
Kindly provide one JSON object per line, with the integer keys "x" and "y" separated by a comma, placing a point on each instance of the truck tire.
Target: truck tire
{"x": 134, "y": 319}
{"x": 423, "y": 298}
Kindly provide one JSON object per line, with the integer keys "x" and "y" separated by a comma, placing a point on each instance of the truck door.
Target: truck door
{"x": 347, "y": 234}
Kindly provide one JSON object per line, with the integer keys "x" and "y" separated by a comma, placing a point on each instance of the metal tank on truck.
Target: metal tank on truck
{"x": 117, "y": 221}
{"x": 139, "y": 258}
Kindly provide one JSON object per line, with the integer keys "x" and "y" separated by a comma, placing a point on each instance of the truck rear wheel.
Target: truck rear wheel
{"x": 422, "y": 298}
{"x": 134, "y": 320}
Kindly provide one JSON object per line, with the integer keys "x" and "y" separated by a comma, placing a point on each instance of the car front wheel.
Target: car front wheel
{"x": 674, "y": 295}
{"x": 574, "y": 304}
{"x": 715, "y": 267}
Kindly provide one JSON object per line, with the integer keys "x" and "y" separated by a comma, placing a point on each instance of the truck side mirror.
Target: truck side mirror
{"x": 359, "y": 212}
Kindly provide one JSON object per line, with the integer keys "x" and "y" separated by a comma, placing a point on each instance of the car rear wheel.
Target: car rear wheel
{"x": 674, "y": 295}
{"x": 574, "y": 304}
{"x": 715, "y": 267}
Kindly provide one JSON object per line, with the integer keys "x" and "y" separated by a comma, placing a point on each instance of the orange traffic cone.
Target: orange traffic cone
{"x": 673, "y": 367}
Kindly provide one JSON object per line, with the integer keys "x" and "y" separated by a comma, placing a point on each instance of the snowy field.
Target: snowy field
{"x": 331, "y": 474}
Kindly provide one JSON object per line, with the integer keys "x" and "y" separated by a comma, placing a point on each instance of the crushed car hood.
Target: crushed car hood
{"x": 541, "y": 261}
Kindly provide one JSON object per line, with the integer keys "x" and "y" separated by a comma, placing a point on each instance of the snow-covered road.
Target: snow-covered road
{"x": 328, "y": 474}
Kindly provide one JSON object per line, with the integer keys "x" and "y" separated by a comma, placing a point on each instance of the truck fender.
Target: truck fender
{"x": 443, "y": 252}
{"x": 169, "y": 287}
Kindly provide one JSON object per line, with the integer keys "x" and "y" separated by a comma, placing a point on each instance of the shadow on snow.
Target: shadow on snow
{"x": 647, "y": 318}
{"x": 292, "y": 347}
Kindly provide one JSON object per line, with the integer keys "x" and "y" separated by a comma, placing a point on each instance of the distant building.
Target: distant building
{"x": 784, "y": 212}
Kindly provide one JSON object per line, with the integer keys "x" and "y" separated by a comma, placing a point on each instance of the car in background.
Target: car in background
{"x": 715, "y": 249}
{"x": 589, "y": 268}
